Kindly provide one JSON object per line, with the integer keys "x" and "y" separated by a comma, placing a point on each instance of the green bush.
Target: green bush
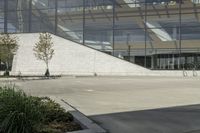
{"x": 20, "y": 113}
{"x": 53, "y": 111}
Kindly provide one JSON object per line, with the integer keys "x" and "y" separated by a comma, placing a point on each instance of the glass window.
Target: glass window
{"x": 189, "y": 30}
{"x": 1, "y": 5}
{"x": 70, "y": 19}
{"x": 43, "y": 4}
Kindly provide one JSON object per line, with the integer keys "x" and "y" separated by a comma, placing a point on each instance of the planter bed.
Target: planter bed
{"x": 20, "y": 113}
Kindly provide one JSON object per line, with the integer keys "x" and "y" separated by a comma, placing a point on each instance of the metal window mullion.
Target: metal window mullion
{"x": 5, "y": 16}
{"x": 84, "y": 22}
{"x": 113, "y": 28}
{"x": 180, "y": 35}
{"x": 145, "y": 26}
{"x": 30, "y": 16}
{"x": 56, "y": 16}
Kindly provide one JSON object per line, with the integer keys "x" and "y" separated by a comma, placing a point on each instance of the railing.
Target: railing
{"x": 192, "y": 66}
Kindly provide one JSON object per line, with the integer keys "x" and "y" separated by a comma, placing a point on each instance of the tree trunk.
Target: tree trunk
{"x": 7, "y": 67}
{"x": 47, "y": 73}
{"x": 6, "y": 73}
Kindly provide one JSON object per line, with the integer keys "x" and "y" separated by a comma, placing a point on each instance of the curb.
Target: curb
{"x": 87, "y": 124}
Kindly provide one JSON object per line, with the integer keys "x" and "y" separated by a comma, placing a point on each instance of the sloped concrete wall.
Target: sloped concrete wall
{"x": 74, "y": 59}
{"x": 70, "y": 59}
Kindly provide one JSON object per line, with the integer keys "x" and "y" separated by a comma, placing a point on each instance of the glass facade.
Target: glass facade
{"x": 157, "y": 34}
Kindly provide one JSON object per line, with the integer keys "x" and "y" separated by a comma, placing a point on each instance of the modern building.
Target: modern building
{"x": 156, "y": 34}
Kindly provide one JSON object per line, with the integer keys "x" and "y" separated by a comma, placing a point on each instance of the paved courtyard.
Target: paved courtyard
{"x": 129, "y": 104}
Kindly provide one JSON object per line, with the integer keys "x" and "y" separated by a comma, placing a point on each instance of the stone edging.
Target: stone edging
{"x": 88, "y": 125}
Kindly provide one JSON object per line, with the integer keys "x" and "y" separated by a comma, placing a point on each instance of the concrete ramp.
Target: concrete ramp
{"x": 70, "y": 59}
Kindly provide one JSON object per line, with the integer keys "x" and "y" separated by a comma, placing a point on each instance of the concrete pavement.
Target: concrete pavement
{"x": 129, "y": 104}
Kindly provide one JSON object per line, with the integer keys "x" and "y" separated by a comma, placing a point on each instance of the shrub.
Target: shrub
{"x": 20, "y": 113}
{"x": 53, "y": 111}
{"x": 56, "y": 120}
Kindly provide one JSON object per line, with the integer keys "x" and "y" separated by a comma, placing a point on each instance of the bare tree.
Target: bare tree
{"x": 43, "y": 50}
{"x": 8, "y": 48}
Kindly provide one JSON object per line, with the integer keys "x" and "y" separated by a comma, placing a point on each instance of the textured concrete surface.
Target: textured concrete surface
{"x": 70, "y": 59}
{"x": 129, "y": 104}
{"x": 74, "y": 59}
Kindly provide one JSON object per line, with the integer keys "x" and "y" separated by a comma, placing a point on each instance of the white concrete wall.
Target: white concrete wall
{"x": 70, "y": 59}
{"x": 74, "y": 59}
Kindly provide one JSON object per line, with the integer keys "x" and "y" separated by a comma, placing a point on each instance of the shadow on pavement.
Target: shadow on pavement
{"x": 182, "y": 119}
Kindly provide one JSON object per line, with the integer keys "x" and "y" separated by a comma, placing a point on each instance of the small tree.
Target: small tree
{"x": 8, "y": 48}
{"x": 44, "y": 51}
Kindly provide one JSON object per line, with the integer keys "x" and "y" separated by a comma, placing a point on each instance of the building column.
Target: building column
{"x": 195, "y": 58}
{"x": 152, "y": 61}
{"x": 173, "y": 61}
